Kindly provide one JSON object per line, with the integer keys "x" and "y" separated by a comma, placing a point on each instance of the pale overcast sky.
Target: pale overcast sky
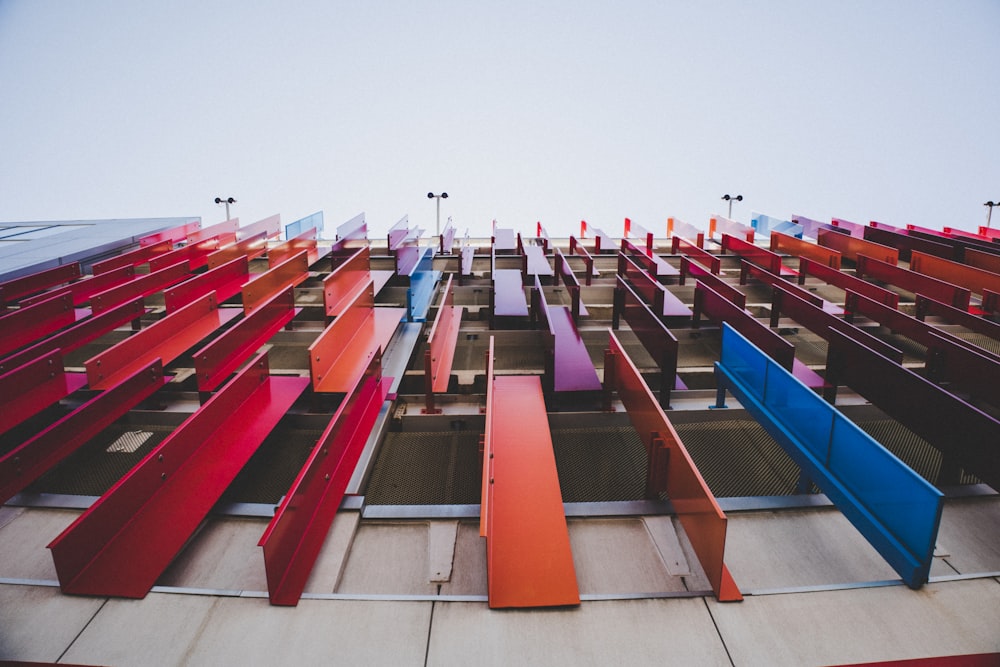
{"x": 521, "y": 111}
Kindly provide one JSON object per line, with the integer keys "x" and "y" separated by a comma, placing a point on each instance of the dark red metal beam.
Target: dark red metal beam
{"x": 295, "y": 536}
{"x": 913, "y": 281}
{"x": 83, "y": 290}
{"x": 226, "y": 280}
{"x": 18, "y": 288}
{"x": 124, "y": 541}
{"x": 29, "y": 323}
{"x": 195, "y": 254}
{"x": 697, "y": 253}
{"x": 694, "y": 268}
{"x": 37, "y": 455}
{"x": 648, "y": 260}
{"x": 845, "y": 281}
{"x": 654, "y": 335}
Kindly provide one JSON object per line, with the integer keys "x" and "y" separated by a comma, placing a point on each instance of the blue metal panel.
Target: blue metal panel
{"x": 420, "y": 293}
{"x": 895, "y": 509}
{"x": 293, "y": 229}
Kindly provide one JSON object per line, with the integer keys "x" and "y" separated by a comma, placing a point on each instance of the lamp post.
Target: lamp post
{"x": 731, "y": 199}
{"x": 443, "y": 195}
{"x": 989, "y": 211}
{"x": 227, "y": 201}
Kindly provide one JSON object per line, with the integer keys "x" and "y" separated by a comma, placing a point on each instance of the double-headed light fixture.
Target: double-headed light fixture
{"x": 731, "y": 199}
{"x": 227, "y": 201}
{"x": 443, "y": 195}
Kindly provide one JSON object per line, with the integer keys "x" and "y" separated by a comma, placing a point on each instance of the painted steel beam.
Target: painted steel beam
{"x": 174, "y": 234}
{"x": 508, "y": 294}
{"x": 251, "y": 248}
{"x": 166, "y": 339}
{"x": 134, "y": 257}
{"x": 340, "y": 355}
{"x": 850, "y": 247}
{"x": 893, "y": 507}
{"x": 654, "y": 335}
{"x": 915, "y": 282}
{"x": 28, "y": 389}
{"x": 679, "y": 245}
{"x": 529, "y": 561}
{"x": 83, "y": 290}
{"x": 270, "y": 226}
{"x": 293, "y": 271}
{"x": 295, "y": 536}
{"x": 195, "y": 254}
{"x": 29, "y": 323}
{"x": 785, "y": 243}
{"x": 640, "y": 233}
{"x": 226, "y": 280}
{"x": 39, "y": 454}
{"x": 648, "y": 260}
{"x": 691, "y": 267}
{"x": 760, "y": 256}
{"x": 845, "y": 281}
{"x": 422, "y": 281}
{"x": 661, "y": 300}
{"x": 78, "y": 335}
{"x": 225, "y": 230}
{"x": 342, "y": 286}
{"x": 928, "y": 306}
{"x": 671, "y": 469}
{"x": 141, "y": 286}
{"x": 774, "y": 281}
{"x": 970, "y": 277}
{"x": 217, "y": 360}
{"x": 686, "y": 231}
{"x": 306, "y": 241}
{"x": 723, "y": 225}
{"x": 125, "y": 540}
{"x": 568, "y": 364}
{"x": 440, "y": 351}
{"x": 18, "y": 288}
{"x": 565, "y": 272}
{"x": 447, "y": 240}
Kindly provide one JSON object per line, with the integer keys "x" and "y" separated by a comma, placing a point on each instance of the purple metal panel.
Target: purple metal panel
{"x": 83, "y": 290}
{"x": 133, "y": 257}
{"x": 565, "y": 271}
{"x": 12, "y": 290}
{"x": 142, "y": 286}
{"x": 296, "y": 534}
{"x": 407, "y": 259}
{"x": 166, "y": 339}
{"x": 125, "y": 540}
{"x": 398, "y": 234}
{"x": 225, "y": 280}
{"x": 26, "y": 324}
{"x": 36, "y": 456}
{"x": 78, "y": 335}
{"x": 28, "y": 389}
{"x": 570, "y": 367}
{"x": 508, "y": 294}
{"x": 217, "y": 360}
{"x": 504, "y": 240}
{"x": 535, "y": 261}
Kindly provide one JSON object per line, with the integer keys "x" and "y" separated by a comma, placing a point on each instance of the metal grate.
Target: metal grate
{"x": 913, "y": 450}
{"x": 269, "y": 474}
{"x": 439, "y": 468}
{"x": 601, "y": 464}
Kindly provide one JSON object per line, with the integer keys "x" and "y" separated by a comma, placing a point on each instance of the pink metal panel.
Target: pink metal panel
{"x": 12, "y": 290}
{"x": 26, "y": 324}
{"x": 225, "y": 280}
{"x": 217, "y": 360}
{"x": 134, "y": 257}
{"x": 196, "y": 255}
{"x": 225, "y": 230}
{"x": 28, "y": 389}
{"x": 125, "y": 540}
{"x": 723, "y": 225}
{"x": 174, "y": 234}
{"x": 294, "y": 537}
{"x": 650, "y": 261}
{"x": 166, "y": 339}
{"x": 508, "y": 294}
{"x": 305, "y": 241}
{"x": 77, "y": 335}
{"x": 447, "y": 240}
{"x": 289, "y": 273}
{"x": 672, "y": 470}
{"x": 440, "y": 352}
{"x": 270, "y": 226}
{"x": 641, "y": 234}
{"x": 576, "y": 248}
{"x": 251, "y": 248}
{"x": 36, "y": 456}
{"x": 83, "y": 290}
{"x": 343, "y": 284}
{"x": 142, "y": 286}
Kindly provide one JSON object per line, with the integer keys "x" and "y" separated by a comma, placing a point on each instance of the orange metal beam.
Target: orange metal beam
{"x": 304, "y": 241}
{"x": 440, "y": 352}
{"x": 528, "y": 555}
{"x": 970, "y": 277}
{"x": 790, "y": 245}
{"x": 703, "y": 520}
{"x": 251, "y": 248}
{"x": 291, "y": 272}
{"x": 850, "y": 247}
{"x": 342, "y": 286}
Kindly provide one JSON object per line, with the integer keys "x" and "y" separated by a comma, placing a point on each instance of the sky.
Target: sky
{"x": 522, "y": 111}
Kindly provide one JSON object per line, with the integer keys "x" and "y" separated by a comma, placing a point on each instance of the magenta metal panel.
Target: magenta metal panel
{"x": 693, "y": 268}
{"x": 195, "y": 254}
{"x": 77, "y": 335}
{"x": 658, "y": 340}
{"x": 37, "y": 455}
{"x": 568, "y": 364}
{"x": 777, "y": 282}
{"x": 576, "y": 248}
{"x": 855, "y": 229}
{"x": 269, "y": 226}
{"x": 26, "y": 324}
{"x": 845, "y": 281}
{"x": 697, "y": 253}
{"x": 640, "y": 233}
{"x": 83, "y": 290}
{"x": 12, "y": 290}
{"x": 928, "y": 306}
{"x": 142, "y": 286}
{"x": 660, "y": 299}
{"x": 134, "y": 257}
{"x": 166, "y": 339}
{"x": 296, "y": 534}
{"x": 225, "y": 230}
{"x": 125, "y": 540}
{"x": 225, "y": 280}
{"x": 447, "y": 240}
{"x": 914, "y": 282}
{"x": 28, "y": 389}
{"x": 653, "y": 263}
{"x": 565, "y": 271}
{"x": 174, "y": 234}
{"x": 217, "y": 360}
{"x": 289, "y": 273}
{"x": 759, "y": 256}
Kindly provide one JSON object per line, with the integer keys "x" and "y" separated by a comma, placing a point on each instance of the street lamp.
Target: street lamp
{"x": 443, "y": 195}
{"x": 989, "y": 211}
{"x": 731, "y": 199}
{"x": 227, "y": 201}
